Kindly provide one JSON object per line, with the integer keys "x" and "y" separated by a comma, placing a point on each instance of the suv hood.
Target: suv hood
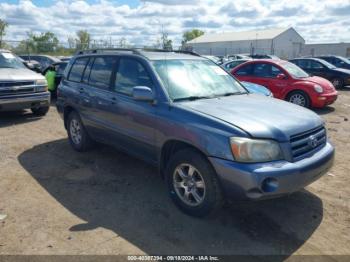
{"x": 18, "y": 74}
{"x": 259, "y": 116}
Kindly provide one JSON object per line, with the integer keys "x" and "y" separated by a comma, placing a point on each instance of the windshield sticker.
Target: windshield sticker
{"x": 219, "y": 71}
{"x": 8, "y": 55}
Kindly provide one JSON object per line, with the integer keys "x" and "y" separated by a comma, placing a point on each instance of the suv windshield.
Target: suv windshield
{"x": 294, "y": 70}
{"x": 8, "y": 60}
{"x": 194, "y": 79}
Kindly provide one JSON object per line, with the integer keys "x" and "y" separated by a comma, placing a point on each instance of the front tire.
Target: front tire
{"x": 77, "y": 135}
{"x": 40, "y": 111}
{"x": 193, "y": 184}
{"x": 299, "y": 98}
{"x": 338, "y": 83}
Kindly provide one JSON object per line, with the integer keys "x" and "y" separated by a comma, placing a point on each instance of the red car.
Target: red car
{"x": 288, "y": 82}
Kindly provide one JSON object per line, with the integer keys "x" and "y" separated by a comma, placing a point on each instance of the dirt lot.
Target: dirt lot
{"x": 59, "y": 201}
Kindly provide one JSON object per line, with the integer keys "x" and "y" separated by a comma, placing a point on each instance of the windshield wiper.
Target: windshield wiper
{"x": 191, "y": 98}
{"x": 232, "y": 93}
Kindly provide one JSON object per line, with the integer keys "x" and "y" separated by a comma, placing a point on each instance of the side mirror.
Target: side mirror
{"x": 281, "y": 76}
{"x": 142, "y": 93}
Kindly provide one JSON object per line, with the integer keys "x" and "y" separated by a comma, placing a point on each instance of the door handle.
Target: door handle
{"x": 114, "y": 100}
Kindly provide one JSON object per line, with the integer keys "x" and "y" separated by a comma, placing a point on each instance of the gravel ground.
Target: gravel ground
{"x": 58, "y": 201}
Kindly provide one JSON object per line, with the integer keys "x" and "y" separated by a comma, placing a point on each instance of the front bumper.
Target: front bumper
{"x": 325, "y": 99}
{"x": 24, "y": 101}
{"x": 247, "y": 181}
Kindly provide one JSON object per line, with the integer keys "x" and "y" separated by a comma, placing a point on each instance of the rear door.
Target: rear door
{"x": 98, "y": 98}
{"x": 75, "y": 87}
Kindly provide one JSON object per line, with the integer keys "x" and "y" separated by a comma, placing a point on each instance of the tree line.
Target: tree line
{"x": 48, "y": 42}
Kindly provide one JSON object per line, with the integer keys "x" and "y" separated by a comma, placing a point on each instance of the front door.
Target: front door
{"x": 134, "y": 121}
{"x": 265, "y": 74}
{"x": 317, "y": 69}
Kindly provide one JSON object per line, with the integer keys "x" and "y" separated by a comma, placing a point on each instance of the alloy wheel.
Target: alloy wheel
{"x": 189, "y": 184}
{"x": 298, "y": 99}
{"x": 336, "y": 83}
{"x": 75, "y": 131}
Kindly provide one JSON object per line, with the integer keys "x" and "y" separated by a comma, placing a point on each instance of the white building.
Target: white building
{"x": 341, "y": 49}
{"x": 283, "y": 42}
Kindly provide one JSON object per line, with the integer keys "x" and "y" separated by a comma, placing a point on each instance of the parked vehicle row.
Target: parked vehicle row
{"x": 210, "y": 139}
{"x": 318, "y": 67}
{"x": 337, "y": 61}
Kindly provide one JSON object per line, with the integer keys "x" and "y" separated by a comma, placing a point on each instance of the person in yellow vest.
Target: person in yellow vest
{"x": 50, "y": 78}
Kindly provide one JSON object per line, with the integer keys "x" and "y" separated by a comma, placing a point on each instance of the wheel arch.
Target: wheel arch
{"x": 172, "y": 146}
{"x": 66, "y": 111}
{"x": 295, "y": 90}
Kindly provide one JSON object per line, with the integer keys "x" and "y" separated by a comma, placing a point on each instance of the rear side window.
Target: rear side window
{"x": 101, "y": 72}
{"x": 77, "y": 70}
{"x": 131, "y": 73}
{"x": 245, "y": 70}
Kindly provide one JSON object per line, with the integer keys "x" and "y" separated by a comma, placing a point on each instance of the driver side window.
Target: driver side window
{"x": 131, "y": 73}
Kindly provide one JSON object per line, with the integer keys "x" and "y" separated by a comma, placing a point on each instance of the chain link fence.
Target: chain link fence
{"x": 27, "y": 47}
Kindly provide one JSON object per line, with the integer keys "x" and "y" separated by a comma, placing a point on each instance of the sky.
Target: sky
{"x": 141, "y": 22}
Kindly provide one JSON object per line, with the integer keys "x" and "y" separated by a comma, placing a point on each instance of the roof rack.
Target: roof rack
{"x": 101, "y": 50}
{"x": 137, "y": 51}
{"x": 187, "y": 52}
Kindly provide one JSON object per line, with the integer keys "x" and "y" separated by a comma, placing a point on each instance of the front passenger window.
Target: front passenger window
{"x": 131, "y": 73}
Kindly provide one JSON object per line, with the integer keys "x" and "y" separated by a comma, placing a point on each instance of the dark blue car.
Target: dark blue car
{"x": 210, "y": 139}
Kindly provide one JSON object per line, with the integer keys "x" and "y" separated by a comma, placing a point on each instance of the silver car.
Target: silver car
{"x": 21, "y": 88}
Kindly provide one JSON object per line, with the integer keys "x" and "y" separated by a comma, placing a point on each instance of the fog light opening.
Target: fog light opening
{"x": 269, "y": 184}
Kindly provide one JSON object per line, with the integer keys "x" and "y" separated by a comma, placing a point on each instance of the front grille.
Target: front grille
{"x": 13, "y": 88}
{"x": 307, "y": 142}
{"x": 16, "y": 83}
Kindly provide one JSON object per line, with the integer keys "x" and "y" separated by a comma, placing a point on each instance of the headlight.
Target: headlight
{"x": 255, "y": 150}
{"x": 41, "y": 85}
{"x": 41, "y": 82}
{"x": 318, "y": 88}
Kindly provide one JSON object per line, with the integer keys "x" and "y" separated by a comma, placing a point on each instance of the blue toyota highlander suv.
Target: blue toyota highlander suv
{"x": 209, "y": 137}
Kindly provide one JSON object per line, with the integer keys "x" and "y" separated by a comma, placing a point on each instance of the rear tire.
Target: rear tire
{"x": 40, "y": 111}
{"x": 77, "y": 135}
{"x": 299, "y": 98}
{"x": 338, "y": 83}
{"x": 193, "y": 184}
